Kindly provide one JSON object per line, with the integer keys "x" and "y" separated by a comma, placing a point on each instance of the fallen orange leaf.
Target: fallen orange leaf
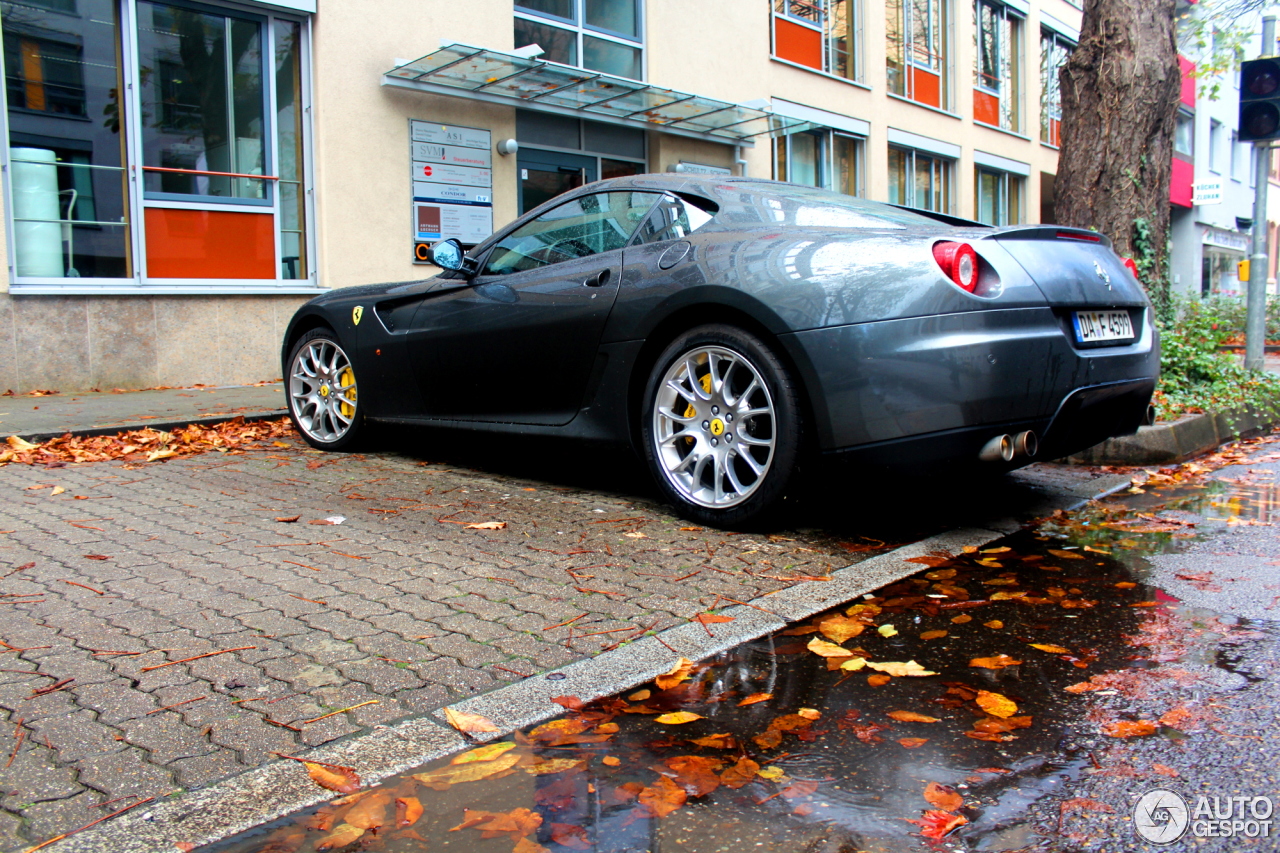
{"x": 663, "y": 797}
{"x": 341, "y": 779}
{"x": 408, "y": 810}
{"x": 912, "y": 717}
{"x": 878, "y": 680}
{"x": 997, "y": 662}
{"x": 469, "y": 723}
{"x": 943, "y": 797}
{"x": 935, "y": 824}
{"x": 677, "y": 718}
{"x": 828, "y": 650}
{"x": 488, "y": 752}
{"x": 342, "y": 836}
{"x": 485, "y": 525}
{"x": 913, "y": 742}
{"x": 754, "y": 698}
{"x": 1129, "y": 728}
{"x": 996, "y": 704}
{"x": 677, "y": 674}
{"x": 1055, "y": 650}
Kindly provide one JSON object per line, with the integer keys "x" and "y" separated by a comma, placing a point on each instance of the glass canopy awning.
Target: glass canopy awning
{"x": 461, "y": 71}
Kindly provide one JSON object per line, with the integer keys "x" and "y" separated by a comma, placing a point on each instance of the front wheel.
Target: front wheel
{"x": 323, "y": 400}
{"x": 721, "y": 425}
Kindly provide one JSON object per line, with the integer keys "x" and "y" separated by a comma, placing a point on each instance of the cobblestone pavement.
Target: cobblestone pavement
{"x": 290, "y": 634}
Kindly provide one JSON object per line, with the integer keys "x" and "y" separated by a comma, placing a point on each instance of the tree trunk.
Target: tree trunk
{"x": 1120, "y": 92}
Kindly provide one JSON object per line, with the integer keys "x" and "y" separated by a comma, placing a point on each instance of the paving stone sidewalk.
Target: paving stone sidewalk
{"x": 395, "y": 611}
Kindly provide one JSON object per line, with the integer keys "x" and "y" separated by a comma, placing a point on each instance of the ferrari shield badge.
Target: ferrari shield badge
{"x": 356, "y": 314}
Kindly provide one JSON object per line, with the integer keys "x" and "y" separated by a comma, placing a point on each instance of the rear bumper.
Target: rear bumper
{"x": 980, "y": 373}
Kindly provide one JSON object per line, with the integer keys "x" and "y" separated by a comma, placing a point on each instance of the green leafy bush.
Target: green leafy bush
{"x": 1197, "y": 376}
{"x": 1229, "y": 314}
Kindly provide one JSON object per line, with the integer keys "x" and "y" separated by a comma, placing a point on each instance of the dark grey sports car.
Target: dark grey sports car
{"x": 728, "y": 327}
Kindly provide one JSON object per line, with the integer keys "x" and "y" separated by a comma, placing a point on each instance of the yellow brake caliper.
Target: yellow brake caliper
{"x": 347, "y": 384}
{"x": 705, "y": 381}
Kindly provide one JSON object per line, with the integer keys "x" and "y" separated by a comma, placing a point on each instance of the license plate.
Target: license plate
{"x": 1095, "y": 326}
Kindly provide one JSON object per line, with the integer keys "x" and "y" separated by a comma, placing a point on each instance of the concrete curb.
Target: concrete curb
{"x": 1178, "y": 441}
{"x": 211, "y": 420}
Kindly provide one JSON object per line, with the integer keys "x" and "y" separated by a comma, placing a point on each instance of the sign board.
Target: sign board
{"x": 451, "y": 168}
{"x": 1225, "y": 239}
{"x": 1209, "y": 192}
{"x": 699, "y": 169}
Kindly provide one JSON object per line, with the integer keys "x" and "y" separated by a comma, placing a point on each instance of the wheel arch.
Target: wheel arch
{"x": 687, "y": 317}
{"x": 299, "y": 326}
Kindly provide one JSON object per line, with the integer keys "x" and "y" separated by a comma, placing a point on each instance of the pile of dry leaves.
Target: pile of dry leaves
{"x": 146, "y": 445}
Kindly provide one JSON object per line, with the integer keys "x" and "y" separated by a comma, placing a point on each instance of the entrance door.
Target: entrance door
{"x": 546, "y": 174}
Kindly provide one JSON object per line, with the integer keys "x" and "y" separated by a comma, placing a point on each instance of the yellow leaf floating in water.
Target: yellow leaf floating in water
{"x": 828, "y": 650}
{"x": 342, "y": 836}
{"x": 899, "y": 669}
{"x": 996, "y": 704}
{"x": 474, "y": 771}
{"x": 887, "y": 630}
{"x": 678, "y": 718}
{"x": 484, "y": 753}
{"x": 554, "y": 765}
{"x": 772, "y": 773}
{"x": 854, "y": 664}
{"x": 1045, "y": 647}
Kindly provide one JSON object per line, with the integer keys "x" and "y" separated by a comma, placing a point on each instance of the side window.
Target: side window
{"x": 674, "y": 218}
{"x": 584, "y": 226}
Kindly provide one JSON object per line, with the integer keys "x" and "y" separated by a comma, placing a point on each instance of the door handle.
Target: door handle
{"x": 598, "y": 280}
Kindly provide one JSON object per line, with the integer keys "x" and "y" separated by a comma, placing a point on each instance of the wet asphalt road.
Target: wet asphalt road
{"x": 1217, "y": 655}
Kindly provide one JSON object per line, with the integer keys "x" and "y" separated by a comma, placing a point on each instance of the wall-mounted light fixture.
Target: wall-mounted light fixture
{"x": 507, "y": 146}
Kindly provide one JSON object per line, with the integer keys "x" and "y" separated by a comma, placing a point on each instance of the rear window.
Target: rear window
{"x": 788, "y": 204}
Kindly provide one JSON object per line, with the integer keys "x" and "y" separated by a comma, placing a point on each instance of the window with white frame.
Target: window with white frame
{"x": 997, "y": 198}
{"x": 820, "y": 158}
{"x": 997, "y": 83}
{"x": 1054, "y": 51}
{"x": 917, "y": 34}
{"x": 602, "y": 35}
{"x": 204, "y": 104}
{"x": 1216, "y": 135}
{"x": 920, "y": 179}
{"x": 824, "y": 35}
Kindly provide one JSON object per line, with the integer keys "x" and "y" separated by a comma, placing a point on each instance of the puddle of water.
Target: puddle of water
{"x": 834, "y": 761}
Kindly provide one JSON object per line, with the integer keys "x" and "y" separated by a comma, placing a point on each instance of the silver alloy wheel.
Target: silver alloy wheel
{"x": 322, "y": 390}
{"x": 714, "y": 427}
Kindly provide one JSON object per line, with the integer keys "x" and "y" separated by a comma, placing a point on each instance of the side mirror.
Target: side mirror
{"x": 448, "y": 254}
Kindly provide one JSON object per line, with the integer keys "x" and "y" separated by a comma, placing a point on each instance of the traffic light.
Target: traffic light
{"x": 1259, "y": 99}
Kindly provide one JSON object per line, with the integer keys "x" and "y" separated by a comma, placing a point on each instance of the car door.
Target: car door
{"x": 518, "y": 342}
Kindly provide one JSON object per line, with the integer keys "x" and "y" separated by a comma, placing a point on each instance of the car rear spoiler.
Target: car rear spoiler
{"x": 1051, "y": 232}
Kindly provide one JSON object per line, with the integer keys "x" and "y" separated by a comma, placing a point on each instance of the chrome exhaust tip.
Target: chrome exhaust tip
{"x": 1026, "y": 444}
{"x": 998, "y": 449}
{"x": 1149, "y": 418}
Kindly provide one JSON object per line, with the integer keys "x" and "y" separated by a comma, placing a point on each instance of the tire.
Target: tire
{"x": 721, "y": 426}
{"x": 322, "y": 390}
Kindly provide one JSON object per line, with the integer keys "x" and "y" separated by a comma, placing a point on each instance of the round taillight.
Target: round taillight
{"x": 960, "y": 263}
{"x": 1131, "y": 266}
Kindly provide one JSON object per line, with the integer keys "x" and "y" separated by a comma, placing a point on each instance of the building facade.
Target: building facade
{"x": 180, "y": 176}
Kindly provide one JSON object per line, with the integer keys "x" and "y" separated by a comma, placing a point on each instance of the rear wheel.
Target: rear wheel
{"x": 323, "y": 400}
{"x": 721, "y": 425}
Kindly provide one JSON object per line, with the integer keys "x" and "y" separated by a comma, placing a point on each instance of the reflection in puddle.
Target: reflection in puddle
{"x": 819, "y": 738}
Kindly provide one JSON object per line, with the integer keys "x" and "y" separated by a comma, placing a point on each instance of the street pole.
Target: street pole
{"x": 1255, "y": 326}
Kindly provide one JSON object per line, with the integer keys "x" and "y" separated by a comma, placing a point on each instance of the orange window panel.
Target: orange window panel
{"x": 795, "y": 43}
{"x": 926, "y": 87}
{"x": 1055, "y": 132}
{"x": 986, "y": 107}
{"x": 209, "y": 244}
